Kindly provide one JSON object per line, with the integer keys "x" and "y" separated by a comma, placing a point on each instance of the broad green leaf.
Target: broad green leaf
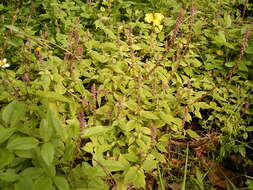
{"x": 98, "y": 57}
{"x": 136, "y": 176}
{"x": 149, "y": 163}
{"x": 43, "y": 183}
{"x": 161, "y": 146}
{"x": 98, "y": 130}
{"x": 220, "y": 39}
{"x": 11, "y": 27}
{"x": 89, "y": 147}
{"x": 165, "y": 117}
{"x": 109, "y": 46}
{"x": 53, "y": 120}
{"x": 196, "y": 63}
{"x": 112, "y": 165}
{"x": 6, "y": 157}
{"x": 61, "y": 183}
{"x": 230, "y": 64}
{"x": 148, "y": 115}
{"x": 197, "y": 113}
{"x": 9, "y": 175}
{"x": 32, "y": 172}
{"x": 130, "y": 125}
{"x": 132, "y": 157}
{"x": 227, "y": 20}
{"x": 109, "y": 33}
{"x": 14, "y": 112}
{"x": 201, "y": 105}
{"x": 132, "y": 105}
{"x": 46, "y": 130}
{"x": 5, "y": 133}
{"x": 69, "y": 151}
{"x": 53, "y": 95}
{"x": 243, "y": 67}
{"x": 49, "y": 169}
{"x": 250, "y": 128}
{"x": 169, "y": 118}
{"x": 24, "y": 153}
{"x": 192, "y": 134}
{"x": 22, "y": 143}
{"x": 47, "y": 153}
{"x": 24, "y": 182}
{"x": 242, "y": 151}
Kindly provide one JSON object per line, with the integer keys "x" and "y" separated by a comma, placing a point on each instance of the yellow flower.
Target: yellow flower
{"x": 37, "y": 50}
{"x": 149, "y": 17}
{"x": 3, "y": 63}
{"x": 156, "y": 18}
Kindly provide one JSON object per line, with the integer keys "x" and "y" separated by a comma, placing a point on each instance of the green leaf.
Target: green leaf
{"x": 195, "y": 63}
{"x": 227, "y": 20}
{"x": 24, "y": 182}
{"x": 250, "y": 128}
{"x": 148, "y": 115}
{"x": 89, "y": 147}
{"x": 230, "y": 64}
{"x": 242, "y": 151}
{"x": 98, "y": 57}
{"x": 24, "y": 153}
{"x": 6, "y": 133}
{"x": 201, "y": 105}
{"x": 32, "y": 172}
{"x": 11, "y": 27}
{"x": 192, "y": 134}
{"x": 47, "y": 153}
{"x": 22, "y": 143}
{"x": 136, "y": 176}
{"x": 149, "y": 163}
{"x": 46, "y": 130}
{"x": 92, "y": 131}
{"x": 112, "y": 165}
{"x": 165, "y": 117}
{"x": 109, "y": 33}
{"x": 169, "y": 118}
{"x": 9, "y": 175}
{"x": 130, "y": 125}
{"x": 53, "y": 120}
{"x": 14, "y": 112}
{"x": 6, "y": 157}
{"x": 48, "y": 169}
{"x": 43, "y": 183}
{"x": 53, "y": 95}
{"x": 220, "y": 38}
{"x": 61, "y": 183}
{"x": 132, "y": 105}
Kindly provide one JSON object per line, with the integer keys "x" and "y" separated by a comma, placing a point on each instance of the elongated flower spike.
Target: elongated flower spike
{"x": 3, "y": 63}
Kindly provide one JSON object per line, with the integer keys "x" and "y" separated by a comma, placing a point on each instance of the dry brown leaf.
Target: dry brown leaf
{"x": 217, "y": 174}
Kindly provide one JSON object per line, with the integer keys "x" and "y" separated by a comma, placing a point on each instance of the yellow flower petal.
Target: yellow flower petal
{"x": 156, "y": 22}
{"x": 149, "y": 17}
{"x": 158, "y": 16}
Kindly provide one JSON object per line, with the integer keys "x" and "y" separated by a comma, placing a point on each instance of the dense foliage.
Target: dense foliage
{"x": 125, "y": 94}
